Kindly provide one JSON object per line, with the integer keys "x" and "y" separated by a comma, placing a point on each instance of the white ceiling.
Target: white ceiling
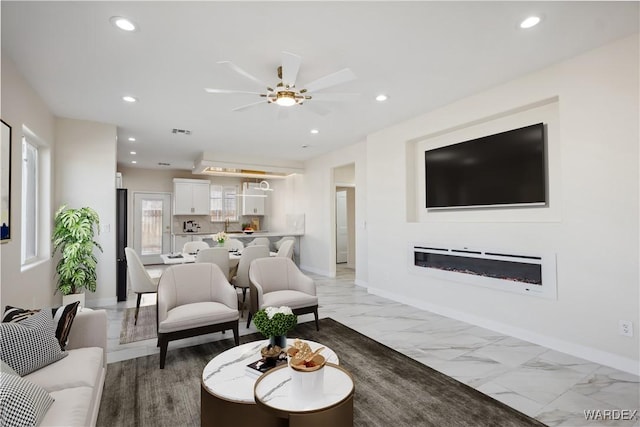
{"x": 422, "y": 54}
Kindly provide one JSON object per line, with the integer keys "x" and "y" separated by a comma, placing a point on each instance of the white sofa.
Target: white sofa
{"x": 76, "y": 381}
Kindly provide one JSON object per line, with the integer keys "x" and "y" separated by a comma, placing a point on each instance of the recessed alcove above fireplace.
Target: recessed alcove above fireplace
{"x": 505, "y": 270}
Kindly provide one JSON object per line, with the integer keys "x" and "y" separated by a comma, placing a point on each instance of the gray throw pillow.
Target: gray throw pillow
{"x": 23, "y": 403}
{"x": 31, "y": 344}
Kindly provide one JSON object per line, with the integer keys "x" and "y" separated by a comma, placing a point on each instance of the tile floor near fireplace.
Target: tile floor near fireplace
{"x": 553, "y": 387}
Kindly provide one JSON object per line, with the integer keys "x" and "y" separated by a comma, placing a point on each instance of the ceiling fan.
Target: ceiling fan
{"x": 285, "y": 93}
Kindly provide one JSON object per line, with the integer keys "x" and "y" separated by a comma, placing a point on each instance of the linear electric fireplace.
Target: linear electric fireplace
{"x": 498, "y": 269}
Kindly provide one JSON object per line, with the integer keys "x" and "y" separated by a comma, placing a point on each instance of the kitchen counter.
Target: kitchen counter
{"x": 239, "y": 234}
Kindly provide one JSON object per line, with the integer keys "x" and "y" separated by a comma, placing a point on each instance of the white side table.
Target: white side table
{"x": 333, "y": 408}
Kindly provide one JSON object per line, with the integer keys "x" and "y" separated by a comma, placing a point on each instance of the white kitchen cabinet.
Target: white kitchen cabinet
{"x": 252, "y": 199}
{"x": 190, "y": 197}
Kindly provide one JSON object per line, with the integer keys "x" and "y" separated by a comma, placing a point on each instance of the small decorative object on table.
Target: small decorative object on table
{"x": 307, "y": 371}
{"x": 220, "y": 237}
{"x": 273, "y": 323}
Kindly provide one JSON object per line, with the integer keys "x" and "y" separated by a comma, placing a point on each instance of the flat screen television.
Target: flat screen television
{"x": 505, "y": 169}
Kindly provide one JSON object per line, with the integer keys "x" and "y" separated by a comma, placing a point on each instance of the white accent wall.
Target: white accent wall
{"x": 31, "y": 286}
{"x": 591, "y": 104}
{"x": 85, "y": 159}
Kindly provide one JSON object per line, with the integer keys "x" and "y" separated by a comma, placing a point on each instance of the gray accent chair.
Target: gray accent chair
{"x": 277, "y": 281}
{"x": 194, "y": 299}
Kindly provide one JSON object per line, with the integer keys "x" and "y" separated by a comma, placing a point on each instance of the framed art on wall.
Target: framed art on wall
{"x": 5, "y": 182}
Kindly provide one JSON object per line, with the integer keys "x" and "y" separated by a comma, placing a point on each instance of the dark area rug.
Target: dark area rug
{"x": 391, "y": 389}
{"x": 145, "y": 328}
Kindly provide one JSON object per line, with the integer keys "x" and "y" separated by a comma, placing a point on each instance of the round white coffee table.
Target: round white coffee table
{"x": 227, "y": 396}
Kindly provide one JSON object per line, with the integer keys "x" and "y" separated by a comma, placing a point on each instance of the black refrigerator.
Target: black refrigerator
{"x": 121, "y": 242}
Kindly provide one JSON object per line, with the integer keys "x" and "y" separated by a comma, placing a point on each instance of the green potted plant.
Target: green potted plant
{"x": 73, "y": 236}
{"x": 274, "y": 323}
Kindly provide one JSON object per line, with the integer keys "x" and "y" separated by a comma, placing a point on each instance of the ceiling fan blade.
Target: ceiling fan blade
{"x": 290, "y": 68}
{"x": 243, "y": 73}
{"x": 339, "y": 97}
{"x": 247, "y": 106}
{"x": 230, "y": 91}
{"x": 339, "y": 77}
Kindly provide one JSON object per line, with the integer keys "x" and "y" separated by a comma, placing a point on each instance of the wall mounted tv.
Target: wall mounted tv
{"x": 504, "y": 169}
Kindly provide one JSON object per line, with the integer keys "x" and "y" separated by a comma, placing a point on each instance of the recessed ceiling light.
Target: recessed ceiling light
{"x": 381, "y": 98}
{"x": 123, "y": 23}
{"x": 134, "y": 162}
{"x": 314, "y": 131}
{"x": 128, "y": 98}
{"x": 531, "y": 21}
{"x": 132, "y": 139}
{"x": 133, "y": 152}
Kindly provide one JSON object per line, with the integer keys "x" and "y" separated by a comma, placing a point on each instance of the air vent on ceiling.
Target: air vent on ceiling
{"x": 164, "y": 164}
{"x": 181, "y": 131}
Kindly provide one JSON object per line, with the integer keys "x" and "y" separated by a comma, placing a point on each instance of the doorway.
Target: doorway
{"x": 151, "y": 226}
{"x": 342, "y": 228}
{"x": 344, "y": 217}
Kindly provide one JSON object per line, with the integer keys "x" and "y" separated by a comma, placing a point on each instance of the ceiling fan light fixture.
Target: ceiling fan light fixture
{"x": 286, "y": 98}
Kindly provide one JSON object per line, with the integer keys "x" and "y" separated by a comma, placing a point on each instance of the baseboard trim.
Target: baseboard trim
{"x": 317, "y": 271}
{"x": 578, "y": 350}
{"x": 361, "y": 283}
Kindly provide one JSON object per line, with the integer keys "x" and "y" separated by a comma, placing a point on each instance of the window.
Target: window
{"x": 224, "y": 203}
{"x": 29, "y": 201}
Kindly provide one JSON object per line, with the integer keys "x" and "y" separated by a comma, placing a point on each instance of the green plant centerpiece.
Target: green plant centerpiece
{"x": 274, "y": 323}
{"x": 73, "y": 235}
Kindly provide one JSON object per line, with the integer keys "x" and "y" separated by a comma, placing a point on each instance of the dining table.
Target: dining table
{"x": 184, "y": 258}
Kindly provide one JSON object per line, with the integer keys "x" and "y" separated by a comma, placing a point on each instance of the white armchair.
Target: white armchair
{"x": 194, "y": 299}
{"x": 276, "y": 281}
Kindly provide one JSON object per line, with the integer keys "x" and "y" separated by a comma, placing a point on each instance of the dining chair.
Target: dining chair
{"x": 277, "y": 281}
{"x": 218, "y": 256}
{"x": 193, "y": 247}
{"x": 194, "y": 299}
{"x": 260, "y": 241}
{"x": 233, "y": 245}
{"x": 286, "y": 249}
{"x": 281, "y": 241}
{"x": 241, "y": 278}
{"x": 139, "y": 279}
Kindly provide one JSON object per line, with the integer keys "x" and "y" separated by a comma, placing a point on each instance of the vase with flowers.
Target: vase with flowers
{"x": 220, "y": 237}
{"x": 274, "y": 323}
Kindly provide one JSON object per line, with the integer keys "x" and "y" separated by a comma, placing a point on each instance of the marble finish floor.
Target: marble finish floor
{"x": 550, "y": 386}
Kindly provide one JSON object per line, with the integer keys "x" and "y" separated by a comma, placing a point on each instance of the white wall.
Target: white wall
{"x": 317, "y": 247}
{"x": 21, "y": 106}
{"x": 85, "y": 158}
{"x": 592, "y": 224}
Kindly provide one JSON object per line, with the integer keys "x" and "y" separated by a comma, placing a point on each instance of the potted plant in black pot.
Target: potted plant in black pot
{"x": 73, "y": 236}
